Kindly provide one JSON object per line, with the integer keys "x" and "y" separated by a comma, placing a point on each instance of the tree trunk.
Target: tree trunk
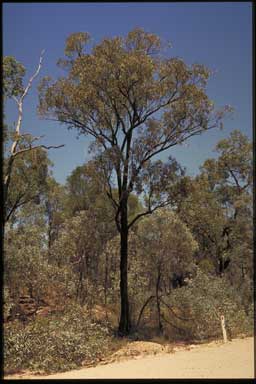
{"x": 124, "y": 323}
{"x": 221, "y": 268}
{"x": 106, "y": 279}
{"x": 50, "y": 241}
{"x": 160, "y": 326}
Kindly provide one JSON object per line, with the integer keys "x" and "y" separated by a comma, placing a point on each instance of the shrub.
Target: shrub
{"x": 56, "y": 343}
{"x": 27, "y": 271}
{"x": 196, "y": 309}
{"x": 8, "y": 302}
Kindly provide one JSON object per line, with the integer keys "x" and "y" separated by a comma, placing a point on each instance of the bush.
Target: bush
{"x": 27, "y": 272}
{"x": 56, "y": 343}
{"x": 196, "y": 310}
{"x": 8, "y": 303}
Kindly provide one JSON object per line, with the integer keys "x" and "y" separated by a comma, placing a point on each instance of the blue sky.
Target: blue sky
{"x": 218, "y": 35}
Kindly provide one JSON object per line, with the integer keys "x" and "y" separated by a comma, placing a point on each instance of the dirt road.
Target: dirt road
{"x": 215, "y": 360}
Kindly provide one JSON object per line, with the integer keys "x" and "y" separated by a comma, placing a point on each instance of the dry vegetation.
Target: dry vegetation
{"x": 131, "y": 255}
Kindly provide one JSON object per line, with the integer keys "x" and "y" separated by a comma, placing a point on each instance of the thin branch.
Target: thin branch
{"x": 148, "y": 212}
{"x": 172, "y": 311}
{"x": 174, "y": 326}
{"x": 36, "y": 147}
{"x": 33, "y": 77}
{"x": 232, "y": 172}
{"x": 142, "y": 309}
{"x": 17, "y": 204}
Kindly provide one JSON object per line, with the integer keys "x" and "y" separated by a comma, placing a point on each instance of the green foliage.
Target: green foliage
{"x": 57, "y": 343}
{"x": 197, "y": 309}
{"x": 86, "y": 189}
{"x": 83, "y": 188}
{"x": 124, "y": 92}
{"x": 28, "y": 178}
{"x": 234, "y": 164}
{"x": 27, "y": 269}
{"x": 164, "y": 245}
{"x": 218, "y": 209}
{"x": 204, "y": 216}
{"x": 161, "y": 244}
{"x": 13, "y": 73}
{"x": 54, "y": 208}
{"x": 8, "y": 302}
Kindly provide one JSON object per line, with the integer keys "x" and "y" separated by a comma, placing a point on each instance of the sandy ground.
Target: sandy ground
{"x": 234, "y": 359}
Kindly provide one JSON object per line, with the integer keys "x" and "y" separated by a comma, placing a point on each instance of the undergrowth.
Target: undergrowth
{"x": 56, "y": 343}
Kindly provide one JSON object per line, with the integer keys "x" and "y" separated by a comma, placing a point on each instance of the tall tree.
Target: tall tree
{"x": 134, "y": 103}
{"x": 20, "y": 143}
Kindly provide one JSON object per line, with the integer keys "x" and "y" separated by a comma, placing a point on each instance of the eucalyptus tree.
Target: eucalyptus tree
{"x": 203, "y": 214}
{"x": 218, "y": 208}
{"x": 19, "y": 161}
{"x": 230, "y": 177}
{"x": 231, "y": 174}
{"x": 134, "y": 103}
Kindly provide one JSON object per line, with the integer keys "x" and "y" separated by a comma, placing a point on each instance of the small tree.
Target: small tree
{"x": 203, "y": 214}
{"x": 169, "y": 247}
{"x": 230, "y": 179}
{"x": 134, "y": 103}
{"x": 218, "y": 207}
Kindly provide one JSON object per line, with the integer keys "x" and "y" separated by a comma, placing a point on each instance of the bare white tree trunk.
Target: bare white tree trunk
{"x": 15, "y": 151}
{"x": 19, "y": 102}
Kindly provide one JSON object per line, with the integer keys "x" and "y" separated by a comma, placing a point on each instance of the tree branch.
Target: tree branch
{"x": 36, "y": 147}
{"x": 172, "y": 311}
{"x": 142, "y": 309}
{"x": 148, "y": 212}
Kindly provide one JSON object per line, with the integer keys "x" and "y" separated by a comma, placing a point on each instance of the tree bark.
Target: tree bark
{"x": 160, "y": 325}
{"x": 124, "y": 323}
